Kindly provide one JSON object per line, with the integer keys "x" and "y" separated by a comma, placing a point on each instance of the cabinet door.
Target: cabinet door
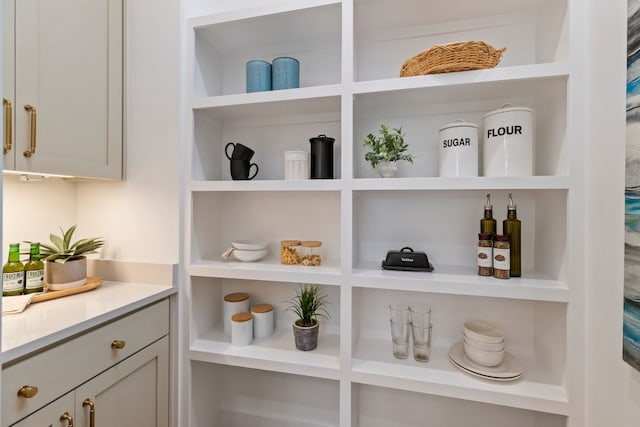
{"x": 133, "y": 393}
{"x": 49, "y": 416}
{"x": 8, "y": 95}
{"x": 68, "y": 66}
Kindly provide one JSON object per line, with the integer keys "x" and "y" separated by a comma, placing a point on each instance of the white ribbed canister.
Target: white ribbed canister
{"x": 296, "y": 165}
{"x": 262, "y": 320}
{"x": 237, "y": 302}
{"x": 241, "y": 329}
{"x": 508, "y": 142}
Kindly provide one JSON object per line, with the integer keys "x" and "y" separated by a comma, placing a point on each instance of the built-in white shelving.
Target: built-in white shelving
{"x": 350, "y": 53}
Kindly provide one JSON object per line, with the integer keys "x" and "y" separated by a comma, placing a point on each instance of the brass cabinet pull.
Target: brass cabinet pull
{"x": 92, "y": 411}
{"x": 28, "y": 391}
{"x": 118, "y": 344}
{"x": 66, "y": 417}
{"x": 32, "y": 150}
{"x": 8, "y": 125}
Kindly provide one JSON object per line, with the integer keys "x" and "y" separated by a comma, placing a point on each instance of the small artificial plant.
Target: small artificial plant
{"x": 63, "y": 250}
{"x": 389, "y": 147}
{"x": 308, "y": 304}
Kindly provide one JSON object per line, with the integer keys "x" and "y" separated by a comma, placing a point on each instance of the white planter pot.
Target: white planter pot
{"x": 61, "y": 276}
{"x": 387, "y": 169}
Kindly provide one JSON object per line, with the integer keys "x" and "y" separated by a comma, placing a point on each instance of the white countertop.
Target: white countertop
{"x": 48, "y": 322}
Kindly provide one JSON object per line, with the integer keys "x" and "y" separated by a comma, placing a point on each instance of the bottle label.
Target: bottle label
{"x": 12, "y": 281}
{"x": 485, "y": 255}
{"x": 34, "y": 279}
{"x": 501, "y": 259}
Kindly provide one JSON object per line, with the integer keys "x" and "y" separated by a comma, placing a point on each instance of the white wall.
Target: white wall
{"x": 613, "y": 388}
{"x": 139, "y": 217}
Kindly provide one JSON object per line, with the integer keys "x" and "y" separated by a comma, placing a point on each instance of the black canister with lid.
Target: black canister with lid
{"x": 321, "y": 157}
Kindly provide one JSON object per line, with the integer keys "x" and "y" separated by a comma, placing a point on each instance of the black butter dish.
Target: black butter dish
{"x": 406, "y": 259}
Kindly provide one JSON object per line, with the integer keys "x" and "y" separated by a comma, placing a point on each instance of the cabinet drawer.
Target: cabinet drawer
{"x": 59, "y": 369}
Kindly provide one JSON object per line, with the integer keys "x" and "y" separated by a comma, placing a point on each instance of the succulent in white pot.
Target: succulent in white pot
{"x": 66, "y": 262}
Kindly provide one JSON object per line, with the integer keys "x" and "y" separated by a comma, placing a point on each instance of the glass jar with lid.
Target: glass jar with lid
{"x": 311, "y": 252}
{"x": 290, "y": 252}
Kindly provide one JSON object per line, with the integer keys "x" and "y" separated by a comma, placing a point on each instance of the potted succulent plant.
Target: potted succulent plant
{"x": 386, "y": 150}
{"x": 308, "y": 304}
{"x": 66, "y": 262}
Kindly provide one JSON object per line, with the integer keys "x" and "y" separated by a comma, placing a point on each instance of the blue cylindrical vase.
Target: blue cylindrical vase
{"x": 285, "y": 73}
{"x": 258, "y": 76}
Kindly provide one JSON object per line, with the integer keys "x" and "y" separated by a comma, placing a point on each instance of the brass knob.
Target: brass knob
{"x": 28, "y": 391}
{"x": 66, "y": 417}
{"x": 118, "y": 344}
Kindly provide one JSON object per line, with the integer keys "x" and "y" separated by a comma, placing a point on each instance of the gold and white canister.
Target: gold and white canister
{"x": 262, "y": 320}
{"x": 508, "y": 142}
{"x": 458, "y": 153}
{"x": 237, "y": 302}
{"x": 241, "y": 329}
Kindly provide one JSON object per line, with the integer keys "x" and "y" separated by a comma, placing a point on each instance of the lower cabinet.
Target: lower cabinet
{"x": 116, "y": 374}
{"x": 133, "y": 393}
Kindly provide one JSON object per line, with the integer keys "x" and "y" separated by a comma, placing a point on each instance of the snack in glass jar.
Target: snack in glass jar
{"x": 290, "y": 252}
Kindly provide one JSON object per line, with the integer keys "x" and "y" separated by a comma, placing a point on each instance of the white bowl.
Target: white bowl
{"x": 480, "y": 331}
{"x": 482, "y": 357}
{"x": 486, "y": 346}
{"x": 249, "y": 245}
{"x": 249, "y": 256}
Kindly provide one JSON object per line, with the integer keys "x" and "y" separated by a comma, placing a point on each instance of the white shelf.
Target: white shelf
{"x": 456, "y": 280}
{"x": 275, "y": 353}
{"x": 520, "y": 74}
{"x": 327, "y": 274}
{"x": 464, "y": 183}
{"x": 267, "y": 185}
{"x": 308, "y": 100}
{"x": 239, "y": 29}
{"x": 440, "y": 377}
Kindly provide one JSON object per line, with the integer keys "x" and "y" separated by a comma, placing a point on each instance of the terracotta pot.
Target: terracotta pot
{"x": 306, "y": 336}
{"x": 71, "y": 274}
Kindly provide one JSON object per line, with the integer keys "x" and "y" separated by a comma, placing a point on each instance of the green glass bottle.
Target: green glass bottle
{"x": 34, "y": 271}
{"x": 512, "y": 226}
{"x": 488, "y": 224}
{"x": 13, "y": 273}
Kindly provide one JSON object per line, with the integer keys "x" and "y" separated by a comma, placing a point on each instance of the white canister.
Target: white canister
{"x": 241, "y": 329}
{"x": 508, "y": 142}
{"x": 237, "y": 302}
{"x": 262, "y": 320}
{"x": 296, "y": 165}
{"x": 458, "y": 154}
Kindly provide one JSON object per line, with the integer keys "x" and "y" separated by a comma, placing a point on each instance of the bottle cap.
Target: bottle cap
{"x": 511, "y": 206}
{"x": 488, "y": 205}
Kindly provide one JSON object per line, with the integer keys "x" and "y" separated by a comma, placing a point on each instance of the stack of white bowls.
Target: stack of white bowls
{"x": 248, "y": 250}
{"x": 483, "y": 343}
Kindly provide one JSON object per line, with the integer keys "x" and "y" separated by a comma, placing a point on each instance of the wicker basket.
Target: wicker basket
{"x": 459, "y": 56}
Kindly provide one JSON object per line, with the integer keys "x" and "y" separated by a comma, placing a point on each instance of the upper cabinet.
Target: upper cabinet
{"x": 63, "y": 87}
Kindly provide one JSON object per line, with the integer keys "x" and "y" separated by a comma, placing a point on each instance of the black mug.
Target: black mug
{"x": 240, "y": 169}
{"x": 240, "y": 152}
{"x": 321, "y": 157}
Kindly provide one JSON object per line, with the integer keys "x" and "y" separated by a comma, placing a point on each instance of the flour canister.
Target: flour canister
{"x": 508, "y": 141}
{"x": 458, "y": 154}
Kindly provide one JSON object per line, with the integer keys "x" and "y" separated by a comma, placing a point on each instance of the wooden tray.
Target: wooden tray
{"x": 92, "y": 283}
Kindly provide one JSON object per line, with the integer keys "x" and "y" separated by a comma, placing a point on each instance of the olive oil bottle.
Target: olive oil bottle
{"x": 512, "y": 226}
{"x": 488, "y": 224}
{"x": 34, "y": 271}
{"x": 13, "y": 273}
